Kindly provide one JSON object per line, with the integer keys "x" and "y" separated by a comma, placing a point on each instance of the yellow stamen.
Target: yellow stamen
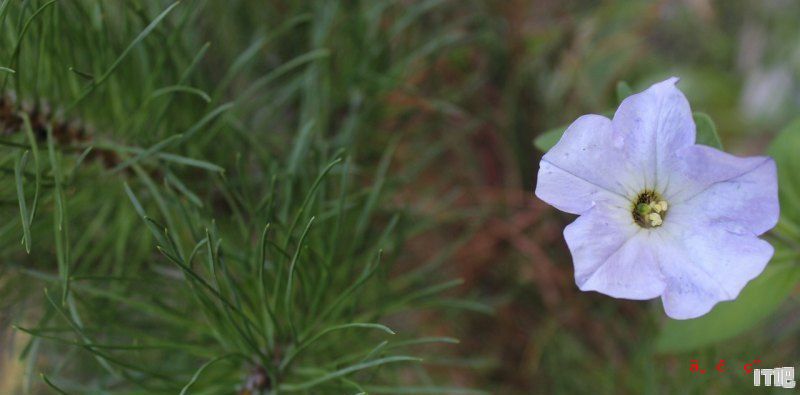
{"x": 649, "y": 210}
{"x": 655, "y": 219}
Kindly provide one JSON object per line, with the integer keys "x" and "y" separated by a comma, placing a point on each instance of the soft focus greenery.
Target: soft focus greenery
{"x": 322, "y": 196}
{"x": 221, "y": 225}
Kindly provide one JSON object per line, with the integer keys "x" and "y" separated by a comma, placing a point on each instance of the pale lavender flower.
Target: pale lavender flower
{"x": 659, "y": 214}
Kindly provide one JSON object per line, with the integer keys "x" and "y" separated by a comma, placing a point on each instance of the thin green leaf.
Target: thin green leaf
{"x": 201, "y": 164}
{"x": 290, "y": 281}
{"x": 307, "y": 343}
{"x": 36, "y": 165}
{"x": 59, "y": 220}
{"x": 199, "y": 371}
{"x": 171, "y": 179}
{"x": 51, "y": 385}
{"x": 199, "y": 125}
{"x": 155, "y": 148}
{"x": 146, "y": 32}
{"x": 183, "y": 89}
{"x": 291, "y": 387}
{"x": 23, "y": 206}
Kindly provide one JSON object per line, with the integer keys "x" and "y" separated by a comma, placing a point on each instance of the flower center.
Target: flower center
{"x": 649, "y": 209}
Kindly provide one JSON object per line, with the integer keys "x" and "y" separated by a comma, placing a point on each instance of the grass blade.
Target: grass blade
{"x": 23, "y": 206}
{"x": 289, "y": 387}
{"x": 146, "y": 32}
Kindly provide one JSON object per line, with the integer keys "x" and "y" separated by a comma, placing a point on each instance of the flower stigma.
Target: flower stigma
{"x": 649, "y": 209}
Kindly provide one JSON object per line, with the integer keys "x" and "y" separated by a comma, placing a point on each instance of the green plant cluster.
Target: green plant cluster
{"x": 196, "y": 198}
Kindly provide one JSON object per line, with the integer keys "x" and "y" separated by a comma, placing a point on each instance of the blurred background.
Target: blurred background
{"x": 462, "y": 88}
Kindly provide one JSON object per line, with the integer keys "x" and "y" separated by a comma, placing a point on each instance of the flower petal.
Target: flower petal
{"x": 612, "y": 255}
{"x": 705, "y": 265}
{"x": 711, "y": 188}
{"x": 584, "y": 168}
{"x": 653, "y": 125}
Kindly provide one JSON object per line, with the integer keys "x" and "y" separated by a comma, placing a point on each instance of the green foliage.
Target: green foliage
{"x": 549, "y": 139}
{"x": 784, "y": 150}
{"x": 623, "y": 90}
{"x": 706, "y": 131}
{"x": 219, "y": 220}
